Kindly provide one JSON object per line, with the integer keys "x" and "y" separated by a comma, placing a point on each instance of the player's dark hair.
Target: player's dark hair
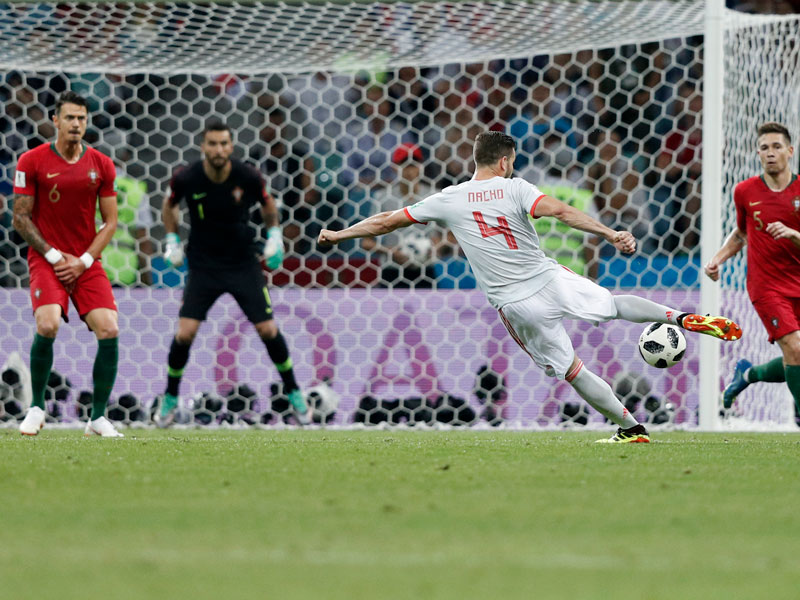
{"x": 490, "y": 146}
{"x": 216, "y": 126}
{"x": 773, "y": 127}
{"x": 71, "y": 97}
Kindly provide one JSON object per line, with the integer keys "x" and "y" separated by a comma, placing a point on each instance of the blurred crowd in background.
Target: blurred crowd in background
{"x": 615, "y": 132}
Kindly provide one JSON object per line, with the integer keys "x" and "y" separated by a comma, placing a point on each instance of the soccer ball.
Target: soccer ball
{"x": 662, "y": 345}
{"x": 417, "y": 248}
{"x": 324, "y": 401}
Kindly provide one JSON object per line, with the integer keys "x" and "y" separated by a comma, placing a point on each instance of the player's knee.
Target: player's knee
{"x": 267, "y": 330}
{"x": 107, "y": 331}
{"x": 47, "y": 327}
{"x": 791, "y": 353}
{"x": 185, "y": 338}
{"x": 574, "y": 370}
{"x": 790, "y": 346}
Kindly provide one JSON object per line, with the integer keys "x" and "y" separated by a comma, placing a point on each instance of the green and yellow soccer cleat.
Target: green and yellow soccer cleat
{"x": 718, "y": 327}
{"x": 632, "y": 435}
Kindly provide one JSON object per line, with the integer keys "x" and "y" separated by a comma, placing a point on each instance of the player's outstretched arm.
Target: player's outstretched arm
{"x": 735, "y": 241}
{"x": 571, "y": 216}
{"x": 379, "y": 224}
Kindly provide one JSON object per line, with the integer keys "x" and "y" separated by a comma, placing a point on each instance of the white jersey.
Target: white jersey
{"x": 489, "y": 218}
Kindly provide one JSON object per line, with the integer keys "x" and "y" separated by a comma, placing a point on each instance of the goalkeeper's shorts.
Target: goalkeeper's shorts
{"x": 246, "y": 284}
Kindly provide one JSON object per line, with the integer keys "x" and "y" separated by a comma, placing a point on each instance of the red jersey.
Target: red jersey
{"x": 772, "y": 265}
{"x": 65, "y": 195}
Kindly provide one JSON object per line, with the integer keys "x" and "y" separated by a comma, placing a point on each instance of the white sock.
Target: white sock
{"x": 642, "y": 310}
{"x": 601, "y": 397}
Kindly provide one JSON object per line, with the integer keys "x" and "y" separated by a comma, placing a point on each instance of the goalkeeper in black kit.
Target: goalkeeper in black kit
{"x": 222, "y": 255}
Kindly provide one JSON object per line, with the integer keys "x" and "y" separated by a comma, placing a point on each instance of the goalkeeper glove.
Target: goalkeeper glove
{"x": 273, "y": 249}
{"x": 173, "y": 253}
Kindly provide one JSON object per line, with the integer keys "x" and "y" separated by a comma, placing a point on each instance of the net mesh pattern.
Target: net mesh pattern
{"x": 762, "y": 83}
{"x": 260, "y": 37}
{"x": 349, "y": 109}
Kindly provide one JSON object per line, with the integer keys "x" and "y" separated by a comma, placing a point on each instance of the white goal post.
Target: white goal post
{"x": 611, "y": 102}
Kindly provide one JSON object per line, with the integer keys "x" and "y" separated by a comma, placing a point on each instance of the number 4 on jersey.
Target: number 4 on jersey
{"x": 501, "y": 229}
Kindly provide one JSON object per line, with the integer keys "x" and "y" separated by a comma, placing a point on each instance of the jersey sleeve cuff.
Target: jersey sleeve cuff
{"x": 408, "y": 214}
{"x": 533, "y": 207}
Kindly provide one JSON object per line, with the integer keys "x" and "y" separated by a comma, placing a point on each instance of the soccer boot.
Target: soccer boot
{"x": 632, "y": 435}
{"x": 166, "y": 410}
{"x": 302, "y": 409}
{"x": 101, "y": 427}
{"x": 718, "y": 327}
{"x": 33, "y": 421}
{"x": 737, "y": 384}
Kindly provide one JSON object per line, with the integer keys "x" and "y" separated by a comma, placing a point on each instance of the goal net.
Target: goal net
{"x": 762, "y": 55}
{"x": 349, "y": 108}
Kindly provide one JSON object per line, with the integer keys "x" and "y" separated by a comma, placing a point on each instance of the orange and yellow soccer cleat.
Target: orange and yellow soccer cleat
{"x": 718, "y": 327}
{"x": 633, "y": 435}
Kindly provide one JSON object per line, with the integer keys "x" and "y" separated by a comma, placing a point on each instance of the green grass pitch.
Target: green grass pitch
{"x": 398, "y": 514}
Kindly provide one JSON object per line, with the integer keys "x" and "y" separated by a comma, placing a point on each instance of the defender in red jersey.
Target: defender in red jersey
{"x": 768, "y": 221}
{"x": 57, "y": 188}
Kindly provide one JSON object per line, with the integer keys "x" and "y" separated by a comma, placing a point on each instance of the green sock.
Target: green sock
{"x": 793, "y": 381}
{"x": 41, "y": 363}
{"x": 104, "y": 374}
{"x": 771, "y": 371}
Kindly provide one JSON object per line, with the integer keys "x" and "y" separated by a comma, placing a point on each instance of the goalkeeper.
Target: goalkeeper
{"x": 222, "y": 255}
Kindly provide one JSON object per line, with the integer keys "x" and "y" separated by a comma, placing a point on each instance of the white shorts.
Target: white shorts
{"x": 536, "y": 322}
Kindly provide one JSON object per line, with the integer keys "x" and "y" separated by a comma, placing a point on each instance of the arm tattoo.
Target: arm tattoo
{"x": 23, "y": 223}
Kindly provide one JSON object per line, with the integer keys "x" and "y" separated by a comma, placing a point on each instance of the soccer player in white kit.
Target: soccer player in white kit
{"x": 489, "y": 217}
